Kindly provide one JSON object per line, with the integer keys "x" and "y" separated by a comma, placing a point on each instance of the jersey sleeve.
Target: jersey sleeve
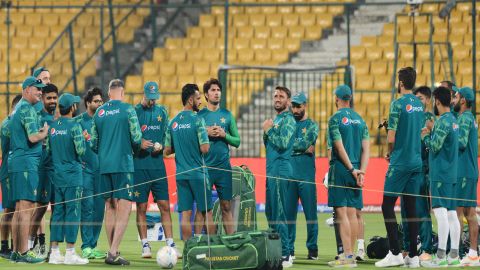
{"x": 232, "y": 136}
{"x": 333, "y": 131}
{"x": 78, "y": 140}
{"x": 465, "y": 124}
{"x": 202, "y": 131}
{"x": 435, "y": 141}
{"x": 134, "y": 126}
{"x": 308, "y": 138}
{"x": 365, "y": 133}
{"x": 29, "y": 120}
{"x": 94, "y": 137}
{"x": 281, "y": 135}
{"x": 394, "y": 115}
{"x": 166, "y": 122}
{"x": 329, "y": 141}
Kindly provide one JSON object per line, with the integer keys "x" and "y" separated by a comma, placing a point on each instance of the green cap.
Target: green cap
{"x": 39, "y": 70}
{"x": 299, "y": 98}
{"x": 32, "y": 81}
{"x": 67, "y": 100}
{"x": 466, "y": 93}
{"x": 343, "y": 92}
{"x": 455, "y": 88}
{"x": 151, "y": 90}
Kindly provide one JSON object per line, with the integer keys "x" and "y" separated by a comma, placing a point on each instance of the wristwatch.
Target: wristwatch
{"x": 351, "y": 170}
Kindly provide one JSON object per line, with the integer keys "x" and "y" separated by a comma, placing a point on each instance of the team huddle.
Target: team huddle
{"x": 90, "y": 167}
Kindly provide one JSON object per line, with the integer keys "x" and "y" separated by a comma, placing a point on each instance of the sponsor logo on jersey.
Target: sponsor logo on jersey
{"x": 174, "y": 126}
{"x": 145, "y": 128}
{"x": 54, "y": 132}
{"x": 455, "y": 126}
{"x": 347, "y": 121}
{"x": 409, "y": 108}
{"x": 103, "y": 112}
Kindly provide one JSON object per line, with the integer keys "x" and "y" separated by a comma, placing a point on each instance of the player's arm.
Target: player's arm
{"x": 463, "y": 133}
{"x": 393, "y": 119}
{"x": 29, "y": 121}
{"x": 135, "y": 132}
{"x": 47, "y": 145}
{"x": 337, "y": 143}
{"x": 78, "y": 140}
{"x": 5, "y": 144}
{"x": 165, "y": 126}
{"x": 168, "y": 142}
{"x": 435, "y": 141}
{"x": 202, "y": 135}
{"x": 329, "y": 146}
{"x": 233, "y": 137}
{"x": 281, "y": 136}
{"x": 94, "y": 138}
{"x": 365, "y": 149}
{"x": 308, "y": 139}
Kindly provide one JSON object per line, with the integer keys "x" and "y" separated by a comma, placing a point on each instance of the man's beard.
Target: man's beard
{"x": 435, "y": 110}
{"x": 299, "y": 116}
{"x": 280, "y": 109}
{"x": 195, "y": 108}
{"x": 457, "y": 107}
{"x": 51, "y": 108}
{"x": 214, "y": 103}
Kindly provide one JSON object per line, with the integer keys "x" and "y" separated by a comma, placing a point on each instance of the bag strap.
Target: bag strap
{"x": 236, "y": 241}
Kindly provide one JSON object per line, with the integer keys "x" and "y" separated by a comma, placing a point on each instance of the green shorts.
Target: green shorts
{"x": 467, "y": 190}
{"x": 7, "y": 200}
{"x": 24, "y": 186}
{"x": 442, "y": 194}
{"x": 222, "y": 179}
{"x": 401, "y": 181}
{"x": 45, "y": 180}
{"x": 192, "y": 190}
{"x": 117, "y": 185}
{"x": 342, "y": 190}
{"x": 150, "y": 180}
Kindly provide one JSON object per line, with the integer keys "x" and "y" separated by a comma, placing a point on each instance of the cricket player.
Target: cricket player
{"x": 222, "y": 132}
{"x": 93, "y": 207}
{"x": 442, "y": 142}
{"x": 303, "y": 164}
{"x": 26, "y": 150}
{"x": 453, "y": 91}
{"x": 278, "y": 138}
{"x": 350, "y": 151}
{"x": 150, "y": 174}
{"x": 467, "y": 174}
{"x": 7, "y": 202}
{"x": 424, "y": 94}
{"x": 66, "y": 145}
{"x": 404, "y": 173}
{"x": 115, "y": 136}
{"x": 187, "y": 137}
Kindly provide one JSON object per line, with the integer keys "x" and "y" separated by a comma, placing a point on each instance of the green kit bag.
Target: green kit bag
{"x": 243, "y": 205}
{"x": 243, "y": 250}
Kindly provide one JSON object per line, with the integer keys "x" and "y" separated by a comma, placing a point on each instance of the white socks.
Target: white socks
{"x": 144, "y": 241}
{"x": 170, "y": 242}
{"x": 455, "y": 232}
{"x": 442, "y": 222}
{"x": 448, "y": 224}
{"x": 472, "y": 253}
{"x": 360, "y": 244}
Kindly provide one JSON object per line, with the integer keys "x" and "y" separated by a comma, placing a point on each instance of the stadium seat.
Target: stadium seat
{"x": 325, "y": 20}
{"x": 379, "y": 67}
{"x": 245, "y": 55}
{"x": 389, "y": 29}
{"x": 201, "y": 68}
{"x": 335, "y": 9}
{"x": 296, "y": 32}
{"x": 308, "y": 19}
{"x": 253, "y": 10}
{"x": 274, "y": 20}
{"x": 195, "y": 32}
{"x": 364, "y": 83}
{"x": 258, "y": 43}
{"x": 275, "y": 43}
{"x": 173, "y": 43}
{"x": 184, "y": 68}
{"x": 369, "y": 41}
{"x": 374, "y": 53}
{"x": 313, "y": 32}
{"x": 212, "y": 32}
{"x": 461, "y": 53}
{"x": 133, "y": 83}
{"x": 357, "y": 52}
{"x": 465, "y": 68}
{"x": 263, "y": 55}
{"x": 241, "y": 43}
{"x": 262, "y": 32}
{"x": 167, "y": 68}
{"x": 220, "y": 20}
{"x": 382, "y": 82}
{"x": 290, "y": 19}
{"x": 206, "y": 20}
{"x": 361, "y": 68}
{"x": 240, "y": 20}
{"x": 211, "y": 55}
{"x": 280, "y": 55}
{"x": 150, "y": 68}
{"x": 292, "y": 44}
{"x": 245, "y": 32}
{"x": 279, "y": 32}
{"x": 269, "y": 10}
{"x": 257, "y": 20}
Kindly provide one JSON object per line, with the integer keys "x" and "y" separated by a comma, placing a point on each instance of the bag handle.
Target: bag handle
{"x": 236, "y": 241}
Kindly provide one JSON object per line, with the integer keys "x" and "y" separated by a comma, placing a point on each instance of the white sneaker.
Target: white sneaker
{"x": 412, "y": 262}
{"x": 390, "y": 260}
{"x": 470, "y": 261}
{"x": 360, "y": 255}
{"x": 73, "y": 258}
{"x": 287, "y": 262}
{"x": 56, "y": 257}
{"x": 146, "y": 251}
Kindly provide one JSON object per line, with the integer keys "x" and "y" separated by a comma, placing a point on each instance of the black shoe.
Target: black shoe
{"x": 312, "y": 254}
{"x": 5, "y": 253}
{"x": 116, "y": 260}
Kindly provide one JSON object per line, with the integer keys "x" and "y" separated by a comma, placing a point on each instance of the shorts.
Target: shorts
{"x": 343, "y": 190}
{"x": 442, "y": 195}
{"x": 117, "y": 185}
{"x": 467, "y": 190}
{"x": 7, "y": 201}
{"x": 24, "y": 186}
{"x": 192, "y": 190}
{"x": 222, "y": 179}
{"x": 45, "y": 180}
{"x": 150, "y": 180}
{"x": 402, "y": 181}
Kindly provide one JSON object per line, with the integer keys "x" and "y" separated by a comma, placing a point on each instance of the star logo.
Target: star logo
{"x": 275, "y": 126}
{"x": 159, "y": 118}
{"x": 35, "y": 192}
{"x": 222, "y": 120}
{"x": 304, "y": 130}
{"x": 136, "y": 194}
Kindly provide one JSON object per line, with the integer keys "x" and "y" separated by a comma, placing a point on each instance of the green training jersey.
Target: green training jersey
{"x": 24, "y": 155}
{"x": 90, "y": 159}
{"x": 46, "y": 160}
{"x": 219, "y": 154}
{"x": 468, "y": 146}
{"x": 303, "y": 164}
{"x": 279, "y": 142}
{"x": 5, "y": 143}
{"x": 115, "y": 135}
{"x": 153, "y": 124}
{"x": 406, "y": 119}
{"x": 442, "y": 144}
{"x": 348, "y": 127}
{"x": 185, "y": 133}
{"x": 428, "y": 116}
{"x": 66, "y": 145}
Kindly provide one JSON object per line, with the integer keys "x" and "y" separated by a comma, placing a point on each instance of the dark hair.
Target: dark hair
{"x": 209, "y": 83}
{"x": 442, "y": 94}
{"x": 188, "y": 90}
{"x": 116, "y": 83}
{"x": 285, "y": 90}
{"x": 65, "y": 111}
{"x": 450, "y": 84}
{"x": 50, "y": 88}
{"x": 424, "y": 90}
{"x": 469, "y": 103}
{"x": 16, "y": 99}
{"x": 94, "y": 91}
{"x": 407, "y": 76}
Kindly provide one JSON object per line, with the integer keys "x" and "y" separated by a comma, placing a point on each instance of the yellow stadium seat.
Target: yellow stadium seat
{"x": 274, "y": 20}
{"x": 292, "y": 44}
{"x": 195, "y": 55}
{"x": 173, "y": 43}
{"x": 28, "y": 56}
{"x": 190, "y": 43}
{"x": 319, "y": 9}
{"x": 245, "y": 55}
{"x": 262, "y": 32}
{"x": 461, "y": 53}
{"x": 374, "y": 53}
{"x": 385, "y": 41}
{"x": 51, "y": 20}
{"x": 296, "y": 32}
{"x": 362, "y": 68}
{"x": 389, "y": 52}
{"x": 275, "y": 43}
{"x": 167, "y": 68}
{"x": 85, "y": 20}
{"x": 184, "y": 79}
{"x": 285, "y": 9}
{"x": 357, "y": 53}
{"x": 456, "y": 16}
{"x": 464, "y": 68}
{"x": 38, "y": 45}
{"x": 290, "y": 19}
{"x": 382, "y": 82}
{"x": 134, "y": 83}
{"x": 280, "y": 55}
{"x": 308, "y": 19}
{"x": 220, "y": 20}
{"x": 150, "y": 68}
{"x": 325, "y": 20}
{"x": 159, "y": 54}
{"x": 279, "y": 32}
{"x": 24, "y": 31}
{"x": 208, "y": 43}
{"x": 464, "y": 7}
{"x": 17, "y": 18}
{"x": 253, "y": 10}
{"x": 313, "y": 32}
{"x": 231, "y": 55}
{"x": 258, "y": 43}
{"x": 134, "y": 21}
{"x": 257, "y": 20}
{"x": 269, "y": 9}
{"x": 201, "y": 68}
{"x": 406, "y": 52}
{"x": 460, "y": 28}
{"x": 33, "y": 19}
{"x": 195, "y": 32}
{"x": 245, "y": 32}
{"x": 235, "y": 10}
{"x": 177, "y": 55}
{"x": 429, "y": 8}
{"x": 212, "y": 32}
{"x": 211, "y": 55}
{"x": 240, "y": 20}
{"x": 169, "y": 84}
{"x": 335, "y": 9}
{"x": 206, "y": 20}
{"x": 217, "y": 10}
{"x": 19, "y": 43}
{"x": 389, "y": 29}
{"x": 184, "y": 68}
{"x": 365, "y": 83}
{"x": 456, "y": 39}
{"x": 379, "y": 67}
{"x": 241, "y": 43}
{"x": 263, "y": 55}
{"x": 369, "y": 41}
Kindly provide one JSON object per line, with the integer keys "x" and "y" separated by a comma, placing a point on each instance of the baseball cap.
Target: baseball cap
{"x": 39, "y": 70}
{"x": 466, "y": 93}
{"x": 299, "y": 98}
{"x": 67, "y": 100}
{"x": 32, "y": 81}
{"x": 151, "y": 90}
{"x": 343, "y": 92}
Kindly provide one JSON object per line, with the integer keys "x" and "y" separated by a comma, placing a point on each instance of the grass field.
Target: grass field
{"x": 131, "y": 249}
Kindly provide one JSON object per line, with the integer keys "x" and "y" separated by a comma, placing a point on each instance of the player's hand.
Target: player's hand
{"x": 267, "y": 125}
{"x": 211, "y": 131}
{"x": 44, "y": 130}
{"x": 387, "y": 157}
{"x": 219, "y": 132}
{"x": 310, "y": 150}
{"x": 86, "y": 135}
{"x": 429, "y": 124}
{"x": 425, "y": 131}
{"x": 157, "y": 148}
{"x": 146, "y": 144}
{"x": 361, "y": 179}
